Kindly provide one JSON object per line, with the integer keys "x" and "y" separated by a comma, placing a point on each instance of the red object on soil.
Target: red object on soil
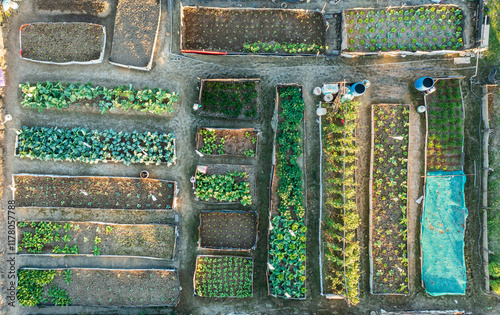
{"x": 343, "y": 122}
{"x": 203, "y": 52}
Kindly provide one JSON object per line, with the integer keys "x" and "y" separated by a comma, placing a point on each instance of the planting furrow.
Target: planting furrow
{"x": 340, "y": 221}
{"x": 287, "y": 232}
{"x": 388, "y": 199}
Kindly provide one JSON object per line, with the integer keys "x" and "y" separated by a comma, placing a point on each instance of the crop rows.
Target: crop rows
{"x": 229, "y": 187}
{"x": 235, "y": 99}
{"x": 341, "y": 221}
{"x": 59, "y": 95}
{"x": 92, "y": 146}
{"x": 287, "y": 237}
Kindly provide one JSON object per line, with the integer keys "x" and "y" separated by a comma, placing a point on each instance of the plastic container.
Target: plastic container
{"x": 424, "y": 83}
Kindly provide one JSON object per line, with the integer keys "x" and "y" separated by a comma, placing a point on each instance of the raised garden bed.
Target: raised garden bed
{"x": 388, "y": 199}
{"x": 230, "y": 98}
{"x": 93, "y": 146}
{"x": 252, "y": 30}
{"x": 422, "y": 28}
{"x": 340, "y": 252}
{"x": 91, "y": 192}
{"x": 135, "y": 32}
{"x": 287, "y": 233}
{"x": 97, "y": 287}
{"x": 219, "y": 141}
{"x": 63, "y": 43}
{"x": 228, "y": 230}
{"x": 223, "y": 276}
{"x": 90, "y": 238}
{"x": 223, "y": 184}
{"x": 59, "y": 95}
{"x": 445, "y": 126}
{"x": 100, "y": 8}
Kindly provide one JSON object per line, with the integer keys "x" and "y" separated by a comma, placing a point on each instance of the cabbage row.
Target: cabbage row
{"x": 92, "y": 146}
{"x": 59, "y": 95}
{"x": 287, "y": 243}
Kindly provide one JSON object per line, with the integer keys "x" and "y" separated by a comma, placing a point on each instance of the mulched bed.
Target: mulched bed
{"x": 136, "y": 24}
{"x": 62, "y": 42}
{"x": 91, "y": 7}
{"x": 389, "y": 199}
{"x": 148, "y": 240}
{"x": 230, "y": 230}
{"x": 232, "y": 99}
{"x": 119, "y": 287}
{"x": 446, "y": 127}
{"x": 93, "y": 192}
{"x": 215, "y": 141}
{"x": 230, "y": 29}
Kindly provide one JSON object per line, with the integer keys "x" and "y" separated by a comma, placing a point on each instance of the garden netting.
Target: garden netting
{"x": 442, "y": 236}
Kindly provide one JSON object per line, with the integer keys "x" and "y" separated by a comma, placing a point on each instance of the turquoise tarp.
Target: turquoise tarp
{"x": 442, "y": 238}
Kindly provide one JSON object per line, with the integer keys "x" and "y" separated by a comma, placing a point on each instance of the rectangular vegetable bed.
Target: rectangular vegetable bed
{"x": 388, "y": 199}
{"x": 286, "y": 268}
{"x": 93, "y": 146}
{"x": 252, "y": 30}
{"x": 59, "y": 95}
{"x": 339, "y": 246}
{"x": 135, "y": 33}
{"x": 234, "y": 230}
{"x": 230, "y": 98}
{"x": 100, "y": 8}
{"x": 418, "y": 28}
{"x": 223, "y": 276}
{"x": 221, "y": 141}
{"x": 93, "y": 192}
{"x": 224, "y": 184}
{"x": 445, "y": 123}
{"x": 97, "y": 287}
{"x": 95, "y": 238}
{"x": 62, "y": 43}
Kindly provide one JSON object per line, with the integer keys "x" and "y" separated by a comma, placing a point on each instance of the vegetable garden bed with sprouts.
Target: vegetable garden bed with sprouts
{"x": 91, "y": 238}
{"x": 219, "y": 141}
{"x": 253, "y": 30}
{"x": 228, "y": 230}
{"x": 422, "y": 28}
{"x": 97, "y": 287}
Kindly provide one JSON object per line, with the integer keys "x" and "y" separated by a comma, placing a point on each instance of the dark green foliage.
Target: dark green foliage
{"x": 230, "y": 98}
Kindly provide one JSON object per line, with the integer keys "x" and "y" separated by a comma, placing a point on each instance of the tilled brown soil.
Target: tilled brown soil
{"x": 229, "y": 141}
{"x": 236, "y": 230}
{"x": 91, "y": 7}
{"x": 135, "y": 30}
{"x": 119, "y": 287}
{"x": 62, "y": 42}
{"x": 93, "y": 192}
{"x": 229, "y": 29}
{"x": 153, "y": 240}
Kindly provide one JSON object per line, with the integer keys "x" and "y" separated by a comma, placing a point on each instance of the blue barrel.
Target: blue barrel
{"x": 424, "y": 83}
{"x": 357, "y": 89}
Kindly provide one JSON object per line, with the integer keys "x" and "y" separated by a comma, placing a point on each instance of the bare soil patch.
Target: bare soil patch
{"x": 218, "y": 141}
{"x": 228, "y": 230}
{"x": 62, "y": 42}
{"x": 231, "y": 29}
{"x": 134, "y": 36}
{"x": 93, "y": 192}
{"x": 91, "y": 7}
{"x": 148, "y": 240}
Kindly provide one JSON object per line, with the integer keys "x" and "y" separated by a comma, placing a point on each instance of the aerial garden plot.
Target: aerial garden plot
{"x": 230, "y": 98}
{"x": 93, "y": 192}
{"x": 62, "y": 95}
{"x": 420, "y": 28}
{"x": 388, "y": 199}
{"x": 252, "y": 30}
{"x": 97, "y": 287}
{"x": 90, "y": 7}
{"x": 340, "y": 251}
{"x": 224, "y": 184}
{"x": 228, "y": 230}
{"x": 89, "y": 238}
{"x": 63, "y": 43}
{"x": 219, "y": 141}
{"x": 287, "y": 232}
{"x": 93, "y": 146}
{"x": 135, "y": 32}
{"x": 223, "y": 276}
{"x": 445, "y": 126}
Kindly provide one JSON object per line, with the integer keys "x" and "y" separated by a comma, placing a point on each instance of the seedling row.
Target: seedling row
{"x": 220, "y": 141}
{"x": 228, "y": 230}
